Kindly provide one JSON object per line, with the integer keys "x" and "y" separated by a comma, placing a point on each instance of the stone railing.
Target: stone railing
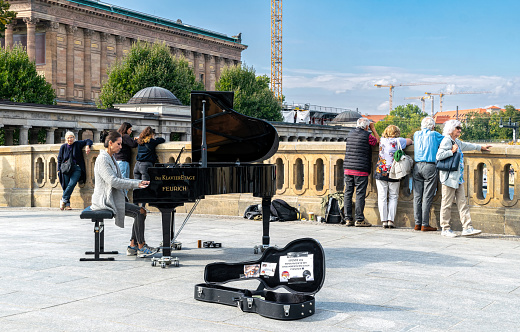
{"x": 306, "y": 172}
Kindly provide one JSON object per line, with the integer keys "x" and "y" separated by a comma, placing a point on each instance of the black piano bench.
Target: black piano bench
{"x": 98, "y": 218}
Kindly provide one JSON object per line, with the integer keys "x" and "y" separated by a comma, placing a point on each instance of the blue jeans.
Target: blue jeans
{"x": 70, "y": 180}
{"x": 124, "y": 166}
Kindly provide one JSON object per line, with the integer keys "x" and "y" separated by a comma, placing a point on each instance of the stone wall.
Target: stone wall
{"x": 306, "y": 172}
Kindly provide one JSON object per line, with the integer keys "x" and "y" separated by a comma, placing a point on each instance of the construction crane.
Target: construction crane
{"x": 441, "y": 94}
{"x": 422, "y": 99}
{"x": 392, "y": 86}
{"x": 276, "y": 49}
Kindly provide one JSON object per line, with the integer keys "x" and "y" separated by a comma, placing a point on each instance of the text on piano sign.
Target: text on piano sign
{"x": 175, "y": 188}
{"x": 181, "y": 177}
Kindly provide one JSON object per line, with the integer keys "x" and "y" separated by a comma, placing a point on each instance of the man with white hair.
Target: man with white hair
{"x": 426, "y": 142}
{"x": 357, "y": 166}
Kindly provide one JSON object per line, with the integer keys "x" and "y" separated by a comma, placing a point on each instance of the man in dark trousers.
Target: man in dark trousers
{"x": 358, "y": 165}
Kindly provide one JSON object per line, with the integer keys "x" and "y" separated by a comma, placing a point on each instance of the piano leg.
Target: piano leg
{"x": 167, "y": 216}
{"x": 266, "y": 216}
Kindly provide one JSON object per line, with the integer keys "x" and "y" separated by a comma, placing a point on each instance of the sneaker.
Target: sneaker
{"x": 363, "y": 223}
{"x": 385, "y": 224}
{"x": 144, "y": 252}
{"x": 131, "y": 251}
{"x": 391, "y": 224}
{"x": 349, "y": 222}
{"x": 470, "y": 231}
{"x": 448, "y": 233}
{"x": 62, "y": 205}
{"x": 151, "y": 248}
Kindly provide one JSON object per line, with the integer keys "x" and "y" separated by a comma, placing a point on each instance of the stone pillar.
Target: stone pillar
{"x": 24, "y": 135}
{"x": 51, "y": 53}
{"x": 87, "y": 64}
{"x": 119, "y": 47}
{"x": 69, "y": 95}
{"x": 50, "y": 135}
{"x": 196, "y": 66}
{"x": 209, "y": 67}
{"x": 31, "y": 37}
{"x": 95, "y": 134}
{"x": 76, "y": 133}
{"x": 103, "y": 57}
{"x": 9, "y": 36}
{"x": 188, "y": 55}
{"x": 8, "y": 138}
{"x": 218, "y": 67}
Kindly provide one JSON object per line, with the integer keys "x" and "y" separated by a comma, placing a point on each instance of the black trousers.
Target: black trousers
{"x": 361, "y": 184}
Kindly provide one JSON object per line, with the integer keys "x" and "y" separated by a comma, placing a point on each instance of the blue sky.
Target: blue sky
{"x": 334, "y": 51}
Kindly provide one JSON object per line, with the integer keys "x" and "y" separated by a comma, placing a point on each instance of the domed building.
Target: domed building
{"x": 158, "y": 103}
{"x": 347, "y": 118}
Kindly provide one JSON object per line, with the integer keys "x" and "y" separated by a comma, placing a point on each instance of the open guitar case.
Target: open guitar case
{"x": 289, "y": 278}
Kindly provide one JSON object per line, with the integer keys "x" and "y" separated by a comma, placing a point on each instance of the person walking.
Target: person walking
{"x": 452, "y": 188}
{"x": 146, "y": 155}
{"x": 124, "y": 156}
{"x": 357, "y": 167}
{"x": 110, "y": 194}
{"x": 71, "y": 152}
{"x": 388, "y": 189}
{"x": 426, "y": 143}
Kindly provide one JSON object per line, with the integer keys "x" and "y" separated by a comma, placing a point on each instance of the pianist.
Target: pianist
{"x": 109, "y": 194}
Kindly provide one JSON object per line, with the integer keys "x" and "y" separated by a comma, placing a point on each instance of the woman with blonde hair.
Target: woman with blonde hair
{"x": 452, "y": 189}
{"x": 388, "y": 189}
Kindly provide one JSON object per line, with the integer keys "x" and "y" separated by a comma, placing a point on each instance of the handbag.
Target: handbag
{"x": 402, "y": 167}
{"x": 67, "y": 166}
{"x": 449, "y": 164}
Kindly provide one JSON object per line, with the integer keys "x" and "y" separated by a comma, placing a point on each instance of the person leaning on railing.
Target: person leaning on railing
{"x": 124, "y": 156}
{"x": 110, "y": 194}
{"x": 452, "y": 189}
{"x": 72, "y": 150}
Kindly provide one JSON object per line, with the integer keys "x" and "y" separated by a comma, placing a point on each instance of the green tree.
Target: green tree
{"x": 19, "y": 80}
{"x": 148, "y": 65}
{"x": 407, "y": 118}
{"x": 252, "y": 95}
{"x": 485, "y": 126}
{"x": 6, "y": 16}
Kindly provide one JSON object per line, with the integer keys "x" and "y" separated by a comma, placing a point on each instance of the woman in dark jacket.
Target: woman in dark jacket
{"x": 146, "y": 155}
{"x": 72, "y": 149}
{"x": 124, "y": 156}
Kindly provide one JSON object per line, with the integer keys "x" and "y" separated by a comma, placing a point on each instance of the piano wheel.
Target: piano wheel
{"x": 163, "y": 265}
{"x": 176, "y": 264}
{"x": 255, "y": 250}
{"x": 154, "y": 263}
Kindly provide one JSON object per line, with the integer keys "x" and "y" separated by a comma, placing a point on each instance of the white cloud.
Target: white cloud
{"x": 384, "y": 106}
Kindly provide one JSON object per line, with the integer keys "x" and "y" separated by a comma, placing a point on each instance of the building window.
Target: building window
{"x": 40, "y": 45}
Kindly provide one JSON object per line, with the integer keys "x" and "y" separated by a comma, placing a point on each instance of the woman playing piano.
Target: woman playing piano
{"x": 109, "y": 194}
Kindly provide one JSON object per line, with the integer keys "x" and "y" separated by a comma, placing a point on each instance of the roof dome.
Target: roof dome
{"x": 154, "y": 95}
{"x": 347, "y": 116}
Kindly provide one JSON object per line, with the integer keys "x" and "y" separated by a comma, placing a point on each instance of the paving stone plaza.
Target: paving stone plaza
{"x": 376, "y": 279}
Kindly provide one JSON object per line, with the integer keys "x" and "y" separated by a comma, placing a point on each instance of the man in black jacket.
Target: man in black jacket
{"x": 358, "y": 165}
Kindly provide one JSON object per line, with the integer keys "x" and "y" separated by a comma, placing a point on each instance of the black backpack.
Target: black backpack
{"x": 334, "y": 215}
{"x": 252, "y": 211}
{"x": 283, "y": 211}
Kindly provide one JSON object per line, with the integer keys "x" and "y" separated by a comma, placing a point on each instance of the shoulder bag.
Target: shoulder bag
{"x": 67, "y": 166}
{"x": 449, "y": 164}
{"x": 402, "y": 165}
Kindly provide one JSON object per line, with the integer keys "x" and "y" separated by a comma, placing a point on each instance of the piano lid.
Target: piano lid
{"x": 230, "y": 136}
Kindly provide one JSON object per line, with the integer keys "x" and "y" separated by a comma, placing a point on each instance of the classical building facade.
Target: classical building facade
{"x": 74, "y": 42}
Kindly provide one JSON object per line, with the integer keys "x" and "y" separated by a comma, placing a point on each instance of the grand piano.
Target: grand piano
{"x": 227, "y": 150}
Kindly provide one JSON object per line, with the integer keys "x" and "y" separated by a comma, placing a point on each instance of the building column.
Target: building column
{"x": 31, "y": 37}
{"x": 196, "y": 66}
{"x": 51, "y": 53}
{"x": 218, "y": 67}
{"x": 9, "y": 36}
{"x": 188, "y": 55}
{"x": 87, "y": 64}
{"x": 209, "y": 72}
{"x": 103, "y": 57}
{"x": 95, "y": 135}
{"x": 119, "y": 47}
{"x": 50, "y": 135}
{"x": 24, "y": 135}
{"x": 71, "y": 29}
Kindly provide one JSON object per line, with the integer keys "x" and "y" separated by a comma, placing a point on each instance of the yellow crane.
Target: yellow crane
{"x": 422, "y": 99}
{"x": 441, "y": 94}
{"x": 276, "y": 48}
{"x": 392, "y": 86}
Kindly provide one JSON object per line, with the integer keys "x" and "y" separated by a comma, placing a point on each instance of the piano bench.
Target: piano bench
{"x": 98, "y": 217}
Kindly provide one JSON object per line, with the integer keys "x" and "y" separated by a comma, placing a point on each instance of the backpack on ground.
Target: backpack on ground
{"x": 253, "y": 211}
{"x": 333, "y": 215}
{"x": 283, "y": 211}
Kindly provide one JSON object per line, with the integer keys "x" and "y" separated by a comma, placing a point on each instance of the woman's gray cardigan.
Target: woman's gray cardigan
{"x": 445, "y": 152}
{"x": 108, "y": 193}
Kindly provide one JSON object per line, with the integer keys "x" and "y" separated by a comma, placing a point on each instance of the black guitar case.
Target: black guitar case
{"x": 298, "y": 270}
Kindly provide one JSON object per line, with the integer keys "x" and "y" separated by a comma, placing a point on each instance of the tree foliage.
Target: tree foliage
{"x": 252, "y": 95}
{"x": 485, "y": 126}
{"x": 19, "y": 80}
{"x": 407, "y": 118}
{"x": 6, "y": 16}
{"x": 148, "y": 65}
